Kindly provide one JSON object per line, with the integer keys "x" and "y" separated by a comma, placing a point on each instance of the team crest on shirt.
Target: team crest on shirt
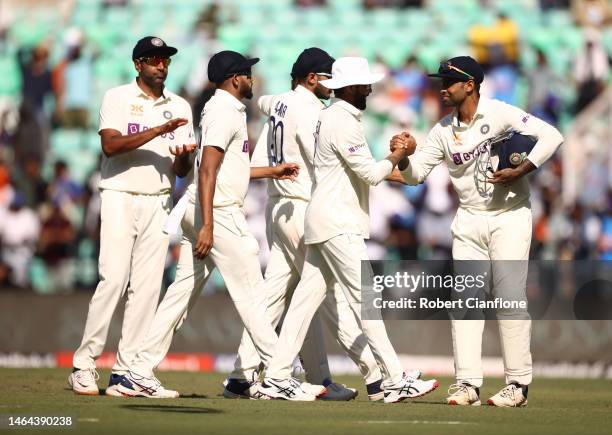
{"x": 167, "y": 114}
{"x": 485, "y": 129}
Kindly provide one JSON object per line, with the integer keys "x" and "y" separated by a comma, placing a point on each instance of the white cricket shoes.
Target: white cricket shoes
{"x": 463, "y": 394}
{"x": 339, "y": 393}
{"x": 408, "y": 388}
{"x": 134, "y": 385}
{"x": 511, "y": 396}
{"x": 84, "y": 382}
{"x": 314, "y": 389}
{"x": 289, "y": 389}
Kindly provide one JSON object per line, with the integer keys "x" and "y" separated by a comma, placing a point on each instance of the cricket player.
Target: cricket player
{"x": 288, "y": 137}
{"x": 215, "y": 231}
{"x": 493, "y": 221}
{"x": 147, "y": 138}
{"x": 336, "y": 225}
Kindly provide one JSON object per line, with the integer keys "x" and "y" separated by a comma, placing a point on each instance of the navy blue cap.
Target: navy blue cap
{"x": 225, "y": 63}
{"x": 312, "y": 60}
{"x": 460, "y": 68}
{"x": 152, "y": 45}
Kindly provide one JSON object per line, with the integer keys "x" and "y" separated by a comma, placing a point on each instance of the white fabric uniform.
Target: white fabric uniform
{"x": 289, "y": 137}
{"x": 493, "y": 221}
{"x": 234, "y": 249}
{"x": 135, "y": 192}
{"x": 336, "y": 225}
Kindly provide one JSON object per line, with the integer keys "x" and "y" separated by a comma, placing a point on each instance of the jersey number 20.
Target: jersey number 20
{"x": 275, "y": 139}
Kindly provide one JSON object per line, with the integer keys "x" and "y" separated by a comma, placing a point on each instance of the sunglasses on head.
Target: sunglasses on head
{"x": 447, "y": 67}
{"x": 328, "y": 75}
{"x": 156, "y": 60}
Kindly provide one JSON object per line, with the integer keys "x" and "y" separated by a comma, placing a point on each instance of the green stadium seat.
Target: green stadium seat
{"x": 10, "y": 84}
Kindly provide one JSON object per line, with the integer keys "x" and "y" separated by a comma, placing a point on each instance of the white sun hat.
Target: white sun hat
{"x": 347, "y": 71}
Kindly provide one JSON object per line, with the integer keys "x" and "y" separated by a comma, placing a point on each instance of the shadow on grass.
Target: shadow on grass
{"x": 172, "y": 408}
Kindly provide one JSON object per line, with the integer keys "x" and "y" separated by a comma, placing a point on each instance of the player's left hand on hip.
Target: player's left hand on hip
{"x": 504, "y": 176}
{"x": 179, "y": 150}
{"x": 287, "y": 171}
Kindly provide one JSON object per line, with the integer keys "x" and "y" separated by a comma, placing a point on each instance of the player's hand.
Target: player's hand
{"x": 404, "y": 140}
{"x": 505, "y": 176}
{"x": 204, "y": 243}
{"x": 171, "y": 125}
{"x": 286, "y": 171}
{"x": 181, "y": 150}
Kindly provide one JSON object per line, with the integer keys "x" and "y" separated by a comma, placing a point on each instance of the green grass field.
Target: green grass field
{"x": 555, "y": 407}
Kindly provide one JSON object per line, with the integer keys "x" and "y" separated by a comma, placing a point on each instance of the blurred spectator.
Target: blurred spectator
{"x": 6, "y": 189}
{"x": 500, "y": 83}
{"x": 410, "y": 81}
{"x": 63, "y": 191}
{"x": 56, "y": 248}
{"x": 591, "y": 13}
{"x": 543, "y": 99}
{"x": 72, "y": 82}
{"x": 115, "y": 3}
{"x": 31, "y": 183}
{"x": 591, "y": 69}
{"x": 437, "y": 214}
{"x": 497, "y": 44}
{"x": 310, "y": 3}
{"x": 546, "y": 5}
{"x": 9, "y": 120}
{"x": 19, "y": 230}
{"x": 33, "y": 133}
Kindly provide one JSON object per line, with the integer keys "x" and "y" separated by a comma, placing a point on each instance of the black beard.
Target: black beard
{"x": 361, "y": 103}
{"x": 248, "y": 94}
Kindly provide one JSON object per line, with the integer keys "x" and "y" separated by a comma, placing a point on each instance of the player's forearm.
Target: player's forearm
{"x": 206, "y": 191}
{"x": 549, "y": 140}
{"x": 119, "y": 144}
{"x": 525, "y": 167}
{"x": 396, "y": 177}
{"x": 262, "y": 172}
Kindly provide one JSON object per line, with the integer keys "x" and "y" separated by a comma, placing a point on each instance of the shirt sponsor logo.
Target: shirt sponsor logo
{"x": 245, "y": 146}
{"x": 461, "y": 158}
{"x": 134, "y": 127}
{"x": 137, "y": 110}
{"x": 355, "y": 148}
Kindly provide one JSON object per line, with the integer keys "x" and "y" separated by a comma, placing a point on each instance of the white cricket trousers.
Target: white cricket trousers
{"x": 337, "y": 259}
{"x": 285, "y": 225}
{"x": 133, "y": 251}
{"x": 506, "y": 236}
{"x": 235, "y": 253}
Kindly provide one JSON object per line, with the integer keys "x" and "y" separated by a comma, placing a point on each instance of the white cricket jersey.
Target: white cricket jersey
{"x": 147, "y": 169}
{"x": 288, "y": 137}
{"x": 344, "y": 171}
{"x": 224, "y": 126}
{"x": 466, "y": 149}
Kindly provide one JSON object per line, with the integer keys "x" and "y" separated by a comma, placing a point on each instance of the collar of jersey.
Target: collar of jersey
{"x": 141, "y": 94}
{"x": 226, "y": 96}
{"x": 299, "y": 89}
{"x": 483, "y": 105}
{"x": 347, "y": 106}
